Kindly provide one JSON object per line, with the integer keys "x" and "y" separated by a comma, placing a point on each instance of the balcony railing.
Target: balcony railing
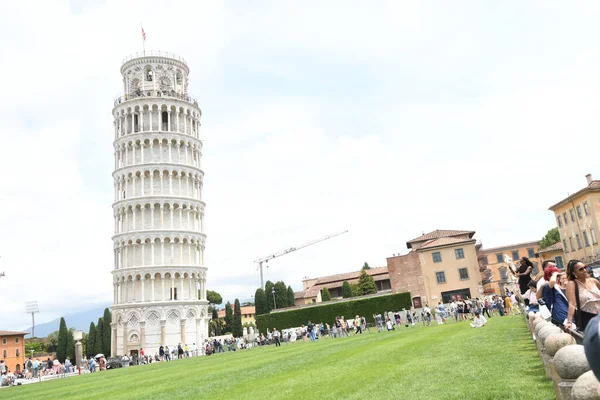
{"x": 153, "y": 53}
{"x": 157, "y": 94}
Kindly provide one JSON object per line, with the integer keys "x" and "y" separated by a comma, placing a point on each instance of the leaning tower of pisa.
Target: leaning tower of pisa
{"x": 159, "y": 272}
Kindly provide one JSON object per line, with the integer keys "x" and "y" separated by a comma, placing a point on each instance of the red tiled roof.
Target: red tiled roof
{"x": 594, "y": 186}
{"x": 13, "y": 333}
{"x": 439, "y": 233}
{"x": 444, "y": 242}
{"x": 378, "y": 274}
{"x": 243, "y": 310}
{"x": 555, "y": 247}
{"x": 347, "y": 276}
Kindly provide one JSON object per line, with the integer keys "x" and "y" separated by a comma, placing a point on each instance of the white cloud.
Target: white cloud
{"x": 386, "y": 121}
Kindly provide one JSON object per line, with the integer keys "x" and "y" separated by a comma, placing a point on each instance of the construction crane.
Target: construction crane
{"x": 266, "y": 259}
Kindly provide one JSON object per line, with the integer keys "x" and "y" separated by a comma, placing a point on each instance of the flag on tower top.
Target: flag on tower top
{"x": 143, "y": 34}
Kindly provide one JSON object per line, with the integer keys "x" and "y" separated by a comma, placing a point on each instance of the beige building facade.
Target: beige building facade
{"x": 495, "y": 272}
{"x": 441, "y": 265}
{"x": 577, "y": 217}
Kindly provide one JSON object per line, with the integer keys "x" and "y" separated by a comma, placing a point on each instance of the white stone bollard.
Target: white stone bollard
{"x": 586, "y": 387}
{"x": 571, "y": 363}
{"x": 553, "y": 343}
{"x": 543, "y": 334}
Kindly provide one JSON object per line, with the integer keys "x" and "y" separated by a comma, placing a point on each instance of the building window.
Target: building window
{"x": 593, "y": 235}
{"x": 503, "y": 273}
{"x": 499, "y": 257}
{"x": 565, "y": 218}
{"x": 16, "y": 340}
{"x": 437, "y": 256}
{"x": 536, "y": 268}
{"x": 530, "y": 253}
{"x": 572, "y": 213}
{"x": 559, "y": 221}
{"x": 4, "y": 354}
{"x": 586, "y": 241}
{"x": 459, "y": 253}
{"x": 586, "y": 209}
{"x": 571, "y": 242}
{"x": 463, "y": 273}
{"x": 565, "y": 246}
{"x": 515, "y": 255}
{"x": 558, "y": 260}
{"x": 4, "y": 341}
{"x": 578, "y": 241}
{"x": 18, "y": 353}
{"x": 485, "y": 260}
{"x": 579, "y": 212}
{"x": 173, "y": 294}
{"x": 441, "y": 277}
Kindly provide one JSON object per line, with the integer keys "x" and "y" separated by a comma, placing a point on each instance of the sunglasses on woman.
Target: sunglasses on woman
{"x": 581, "y": 269}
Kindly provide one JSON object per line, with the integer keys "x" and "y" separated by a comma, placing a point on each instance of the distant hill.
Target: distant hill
{"x": 80, "y": 320}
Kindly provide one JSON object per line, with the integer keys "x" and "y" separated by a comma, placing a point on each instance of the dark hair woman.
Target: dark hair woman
{"x": 583, "y": 293}
{"x": 524, "y": 274}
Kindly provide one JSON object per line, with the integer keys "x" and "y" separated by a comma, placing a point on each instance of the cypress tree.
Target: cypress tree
{"x": 90, "y": 342}
{"x": 325, "y": 296}
{"x": 106, "y": 332}
{"x": 228, "y": 317}
{"x": 269, "y": 286}
{"x": 61, "y": 348}
{"x": 260, "y": 302}
{"x": 346, "y": 290}
{"x": 281, "y": 295}
{"x": 237, "y": 330}
{"x": 98, "y": 343}
{"x": 71, "y": 346}
{"x": 291, "y": 297}
{"x": 366, "y": 283}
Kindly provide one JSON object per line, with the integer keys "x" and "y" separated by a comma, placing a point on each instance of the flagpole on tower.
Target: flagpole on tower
{"x": 143, "y": 38}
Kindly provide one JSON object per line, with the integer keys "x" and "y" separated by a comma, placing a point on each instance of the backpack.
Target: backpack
{"x": 29, "y": 364}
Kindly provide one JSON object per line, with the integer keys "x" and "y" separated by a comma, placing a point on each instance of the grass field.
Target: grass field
{"x": 450, "y": 361}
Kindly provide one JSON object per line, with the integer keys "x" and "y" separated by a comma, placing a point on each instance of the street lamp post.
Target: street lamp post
{"x": 274, "y": 303}
{"x": 31, "y": 307}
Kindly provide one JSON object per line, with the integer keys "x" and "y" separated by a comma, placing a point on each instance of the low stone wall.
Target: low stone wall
{"x": 565, "y": 362}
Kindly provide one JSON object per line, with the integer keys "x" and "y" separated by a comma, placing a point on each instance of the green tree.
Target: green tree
{"x": 61, "y": 348}
{"x": 366, "y": 283}
{"x": 90, "y": 343}
{"x": 551, "y": 238}
{"x": 53, "y": 342}
{"x": 228, "y": 317}
{"x": 98, "y": 345}
{"x": 216, "y": 326}
{"x": 281, "y": 295}
{"x": 215, "y": 314}
{"x": 366, "y": 266}
{"x": 260, "y": 302}
{"x": 291, "y": 297}
{"x": 325, "y": 296}
{"x": 355, "y": 289}
{"x": 237, "y": 319}
{"x": 71, "y": 346}
{"x": 346, "y": 290}
{"x": 106, "y": 332}
{"x": 269, "y": 286}
{"x": 213, "y": 297}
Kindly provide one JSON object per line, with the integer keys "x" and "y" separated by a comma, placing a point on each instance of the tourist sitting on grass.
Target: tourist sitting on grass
{"x": 478, "y": 321}
{"x": 389, "y": 324}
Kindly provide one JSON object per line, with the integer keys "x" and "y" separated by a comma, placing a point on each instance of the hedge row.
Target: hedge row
{"x": 326, "y": 312}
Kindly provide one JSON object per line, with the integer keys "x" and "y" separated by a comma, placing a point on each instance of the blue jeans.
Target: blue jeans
{"x": 313, "y": 336}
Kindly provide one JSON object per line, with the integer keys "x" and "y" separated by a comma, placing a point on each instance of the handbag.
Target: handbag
{"x": 582, "y": 318}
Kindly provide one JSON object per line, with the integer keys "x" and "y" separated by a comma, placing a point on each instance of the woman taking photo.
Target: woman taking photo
{"x": 583, "y": 293}
{"x": 524, "y": 274}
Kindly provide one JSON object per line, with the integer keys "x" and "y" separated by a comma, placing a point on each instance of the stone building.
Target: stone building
{"x": 159, "y": 272}
{"x": 554, "y": 252}
{"x": 493, "y": 260}
{"x": 12, "y": 349}
{"x": 578, "y": 220}
{"x": 440, "y": 265}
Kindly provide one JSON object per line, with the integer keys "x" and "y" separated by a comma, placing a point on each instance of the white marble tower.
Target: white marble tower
{"x": 159, "y": 273}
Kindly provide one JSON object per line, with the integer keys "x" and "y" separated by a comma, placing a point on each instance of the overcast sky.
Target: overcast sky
{"x": 387, "y": 119}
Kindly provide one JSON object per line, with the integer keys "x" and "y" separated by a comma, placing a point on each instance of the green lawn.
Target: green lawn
{"x": 451, "y": 361}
